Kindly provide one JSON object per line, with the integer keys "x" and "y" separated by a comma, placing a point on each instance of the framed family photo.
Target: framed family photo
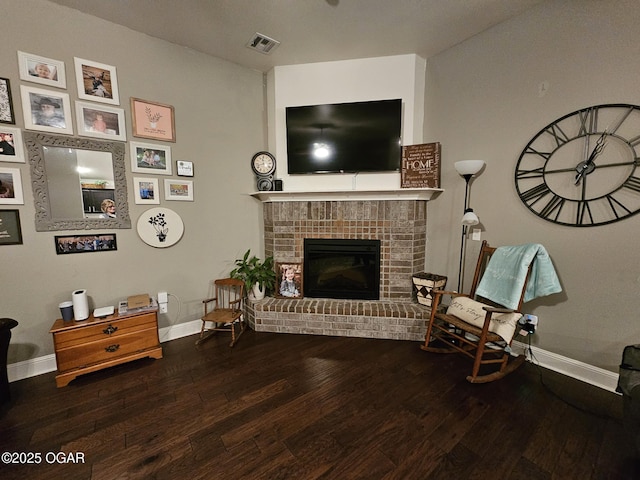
{"x": 10, "y": 231}
{"x": 175, "y": 189}
{"x": 289, "y": 280}
{"x": 11, "y": 149}
{"x": 152, "y": 120}
{"x": 146, "y": 190}
{"x": 11, "y": 186}
{"x": 150, "y": 158}
{"x": 100, "y": 121}
{"x": 104, "y": 242}
{"x": 37, "y": 69}
{"x": 6, "y": 103}
{"x": 96, "y": 81}
{"x": 46, "y": 110}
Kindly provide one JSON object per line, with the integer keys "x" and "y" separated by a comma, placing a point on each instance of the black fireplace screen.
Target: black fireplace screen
{"x": 342, "y": 268}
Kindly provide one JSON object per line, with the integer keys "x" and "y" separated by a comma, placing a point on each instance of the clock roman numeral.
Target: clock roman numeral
{"x": 624, "y": 116}
{"x": 554, "y": 205}
{"x": 534, "y": 173}
{"x": 531, "y": 196}
{"x": 588, "y": 121}
{"x": 583, "y": 207}
{"x": 558, "y": 135}
{"x": 615, "y": 205}
{"x": 632, "y": 183}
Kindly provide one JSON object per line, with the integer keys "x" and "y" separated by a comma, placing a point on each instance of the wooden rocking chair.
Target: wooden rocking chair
{"x": 476, "y": 327}
{"x": 224, "y": 310}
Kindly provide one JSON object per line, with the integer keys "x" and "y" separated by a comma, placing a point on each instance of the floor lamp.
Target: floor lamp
{"x": 467, "y": 169}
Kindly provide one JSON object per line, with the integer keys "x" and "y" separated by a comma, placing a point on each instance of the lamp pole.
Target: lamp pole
{"x": 467, "y": 178}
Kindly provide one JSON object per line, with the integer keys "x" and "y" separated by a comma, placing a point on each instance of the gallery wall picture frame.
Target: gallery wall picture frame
{"x": 175, "y": 189}
{"x": 10, "y": 231}
{"x": 153, "y": 120}
{"x": 100, "y": 121}
{"x": 289, "y": 280}
{"x": 11, "y": 146}
{"x": 146, "y": 191}
{"x": 46, "y": 110}
{"x": 96, "y": 81}
{"x": 11, "y": 186}
{"x": 85, "y": 243}
{"x": 160, "y": 227}
{"x": 43, "y": 70}
{"x": 150, "y": 158}
{"x": 6, "y": 102}
{"x": 184, "y": 168}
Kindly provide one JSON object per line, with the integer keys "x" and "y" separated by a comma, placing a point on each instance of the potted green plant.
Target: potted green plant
{"x": 258, "y": 276}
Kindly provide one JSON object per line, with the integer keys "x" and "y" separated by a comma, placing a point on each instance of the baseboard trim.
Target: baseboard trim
{"x": 572, "y": 368}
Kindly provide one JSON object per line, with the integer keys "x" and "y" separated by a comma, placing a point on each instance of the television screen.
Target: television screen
{"x": 344, "y": 137}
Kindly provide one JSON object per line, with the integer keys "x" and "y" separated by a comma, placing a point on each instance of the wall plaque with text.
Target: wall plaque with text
{"x": 420, "y": 166}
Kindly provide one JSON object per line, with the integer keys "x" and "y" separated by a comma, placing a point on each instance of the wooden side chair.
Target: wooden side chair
{"x": 476, "y": 327}
{"x": 224, "y": 310}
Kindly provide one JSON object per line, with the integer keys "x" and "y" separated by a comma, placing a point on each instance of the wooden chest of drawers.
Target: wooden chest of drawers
{"x": 94, "y": 344}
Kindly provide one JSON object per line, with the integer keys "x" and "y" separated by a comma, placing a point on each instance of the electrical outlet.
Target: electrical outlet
{"x": 475, "y": 234}
{"x": 163, "y": 307}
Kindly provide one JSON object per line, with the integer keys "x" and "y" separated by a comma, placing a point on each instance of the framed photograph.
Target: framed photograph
{"x": 37, "y": 69}
{"x": 96, "y": 81}
{"x": 152, "y": 120}
{"x": 100, "y": 122}
{"x": 289, "y": 280}
{"x": 99, "y": 242}
{"x": 175, "y": 189}
{"x": 146, "y": 190}
{"x": 150, "y": 158}
{"x": 184, "y": 168}
{"x": 10, "y": 232}
{"x": 11, "y": 187}
{"x": 11, "y": 147}
{"x": 46, "y": 110}
{"x": 6, "y": 103}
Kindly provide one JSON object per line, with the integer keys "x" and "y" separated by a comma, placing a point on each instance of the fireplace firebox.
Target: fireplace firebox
{"x": 342, "y": 268}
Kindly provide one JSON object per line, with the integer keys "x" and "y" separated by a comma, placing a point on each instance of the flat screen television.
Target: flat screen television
{"x": 344, "y": 137}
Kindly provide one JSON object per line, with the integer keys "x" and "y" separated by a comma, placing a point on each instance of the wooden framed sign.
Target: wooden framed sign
{"x": 420, "y": 166}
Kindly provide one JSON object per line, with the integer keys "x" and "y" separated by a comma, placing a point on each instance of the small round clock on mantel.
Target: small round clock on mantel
{"x": 263, "y": 165}
{"x": 581, "y": 170}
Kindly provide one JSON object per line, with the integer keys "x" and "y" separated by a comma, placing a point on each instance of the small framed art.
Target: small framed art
{"x": 10, "y": 231}
{"x": 11, "y": 187}
{"x": 37, "y": 69}
{"x": 102, "y": 242}
{"x": 152, "y": 120}
{"x": 150, "y": 158}
{"x": 100, "y": 122}
{"x": 96, "y": 81}
{"x": 11, "y": 149}
{"x": 46, "y": 110}
{"x": 6, "y": 103}
{"x": 146, "y": 190}
{"x": 289, "y": 280}
{"x": 178, "y": 189}
{"x": 184, "y": 168}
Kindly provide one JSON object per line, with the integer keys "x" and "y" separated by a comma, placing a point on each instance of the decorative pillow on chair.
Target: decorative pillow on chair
{"x": 503, "y": 324}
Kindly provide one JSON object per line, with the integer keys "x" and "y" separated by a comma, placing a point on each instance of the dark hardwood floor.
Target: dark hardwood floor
{"x": 309, "y": 407}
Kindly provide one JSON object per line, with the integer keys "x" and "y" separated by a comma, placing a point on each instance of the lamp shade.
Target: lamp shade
{"x": 470, "y": 218}
{"x": 469, "y": 167}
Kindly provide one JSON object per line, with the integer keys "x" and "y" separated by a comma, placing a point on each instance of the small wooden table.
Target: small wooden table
{"x": 96, "y": 343}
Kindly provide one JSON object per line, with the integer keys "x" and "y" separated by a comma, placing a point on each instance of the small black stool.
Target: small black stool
{"x": 6, "y": 324}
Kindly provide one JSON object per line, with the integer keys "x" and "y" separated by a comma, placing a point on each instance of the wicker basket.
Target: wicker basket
{"x": 424, "y": 282}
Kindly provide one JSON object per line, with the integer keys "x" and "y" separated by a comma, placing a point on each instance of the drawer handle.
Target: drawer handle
{"x": 109, "y": 330}
{"x": 112, "y": 348}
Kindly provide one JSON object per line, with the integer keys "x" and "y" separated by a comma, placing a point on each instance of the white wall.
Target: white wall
{"x": 341, "y": 82}
{"x": 483, "y": 100}
{"x": 220, "y": 124}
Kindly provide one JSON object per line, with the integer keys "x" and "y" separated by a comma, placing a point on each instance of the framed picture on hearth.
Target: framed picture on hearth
{"x": 289, "y": 280}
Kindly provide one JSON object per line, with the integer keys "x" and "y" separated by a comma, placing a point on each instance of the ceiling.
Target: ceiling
{"x": 308, "y": 30}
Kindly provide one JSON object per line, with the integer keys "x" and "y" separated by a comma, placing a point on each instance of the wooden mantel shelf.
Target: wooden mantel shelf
{"x": 349, "y": 195}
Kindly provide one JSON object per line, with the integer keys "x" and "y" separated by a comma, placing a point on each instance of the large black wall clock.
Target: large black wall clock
{"x": 582, "y": 169}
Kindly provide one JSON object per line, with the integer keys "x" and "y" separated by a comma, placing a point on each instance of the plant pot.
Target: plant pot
{"x": 257, "y": 293}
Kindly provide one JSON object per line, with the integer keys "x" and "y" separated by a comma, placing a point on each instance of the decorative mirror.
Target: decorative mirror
{"x": 73, "y": 181}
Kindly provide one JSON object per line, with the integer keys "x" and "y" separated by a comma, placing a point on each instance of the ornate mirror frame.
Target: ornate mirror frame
{"x": 44, "y": 222}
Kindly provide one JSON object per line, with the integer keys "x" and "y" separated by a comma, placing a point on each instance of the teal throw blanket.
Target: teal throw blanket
{"x": 507, "y": 270}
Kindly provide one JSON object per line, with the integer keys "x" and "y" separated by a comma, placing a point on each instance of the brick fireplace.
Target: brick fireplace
{"x": 396, "y": 219}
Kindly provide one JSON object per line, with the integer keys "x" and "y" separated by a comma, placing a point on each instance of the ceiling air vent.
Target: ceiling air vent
{"x": 262, "y": 43}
